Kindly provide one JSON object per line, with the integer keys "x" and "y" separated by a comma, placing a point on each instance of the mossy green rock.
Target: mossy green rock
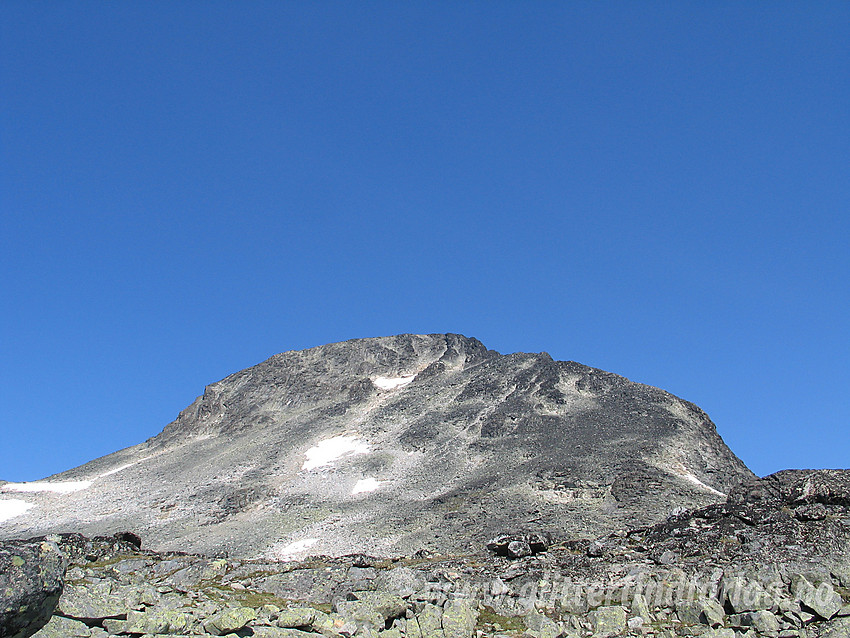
{"x": 641, "y": 608}
{"x": 459, "y": 618}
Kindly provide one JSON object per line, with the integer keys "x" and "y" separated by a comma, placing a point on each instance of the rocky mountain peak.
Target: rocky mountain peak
{"x": 393, "y": 445}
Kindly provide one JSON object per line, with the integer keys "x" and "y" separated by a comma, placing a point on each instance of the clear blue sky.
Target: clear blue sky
{"x": 656, "y": 189}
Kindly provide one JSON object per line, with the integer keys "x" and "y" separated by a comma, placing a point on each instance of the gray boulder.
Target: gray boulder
{"x": 31, "y": 580}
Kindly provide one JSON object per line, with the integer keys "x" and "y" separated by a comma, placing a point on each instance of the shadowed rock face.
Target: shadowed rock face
{"x": 31, "y": 581}
{"x": 395, "y": 444}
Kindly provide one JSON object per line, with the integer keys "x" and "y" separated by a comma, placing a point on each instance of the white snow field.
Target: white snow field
{"x": 12, "y": 507}
{"x": 327, "y": 451}
{"x": 60, "y": 487}
{"x": 391, "y": 383}
{"x": 366, "y": 485}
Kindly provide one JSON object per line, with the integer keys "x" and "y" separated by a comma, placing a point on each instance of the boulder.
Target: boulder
{"x": 430, "y": 622}
{"x": 822, "y": 600}
{"x": 640, "y": 608}
{"x": 31, "y": 581}
{"x": 279, "y": 632}
{"x": 459, "y": 618}
{"x": 702, "y": 610}
{"x": 401, "y": 581}
{"x": 607, "y": 621}
{"x": 384, "y": 603}
{"x": 745, "y": 595}
{"x": 165, "y": 621}
{"x": 230, "y": 621}
{"x": 296, "y": 617}
{"x": 518, "y": 549}
{"x": 519, "y": 545}
{"x": 839, "y": 628}
{"x": 97, "y": 600}
{"x": 540, "y": 626}
{"x": 764, "y": 622}
{"x": 59, "y": 627}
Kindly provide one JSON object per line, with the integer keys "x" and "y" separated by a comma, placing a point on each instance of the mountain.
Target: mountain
{"x": 391, "y": 445}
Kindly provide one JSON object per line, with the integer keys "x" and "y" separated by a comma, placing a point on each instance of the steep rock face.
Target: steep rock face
{"x": 392, "y": 445}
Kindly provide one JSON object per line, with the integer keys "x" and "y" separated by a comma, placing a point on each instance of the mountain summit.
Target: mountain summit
{"x": 391, "y": 445}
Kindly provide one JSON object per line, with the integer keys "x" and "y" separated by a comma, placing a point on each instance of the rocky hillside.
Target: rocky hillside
{"x": 773, "y": 561}
{"x": 388, "y": 446}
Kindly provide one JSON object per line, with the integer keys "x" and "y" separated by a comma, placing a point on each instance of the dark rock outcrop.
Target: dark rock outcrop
{"x": 31, "y": 581}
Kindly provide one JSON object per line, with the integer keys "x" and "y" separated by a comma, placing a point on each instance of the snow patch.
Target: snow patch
{"x": 61, "y": 487}
{"x": 327, "y": 451}
{"x": 391, "y": 383}
{"x": 11, "y": 507}
{"x": 681, "y": 471}
{"x": 366, "y": 485}
{"x": 125, "y": 466}
{"x": 291, "y": 550}
{"x": 693, "y": 479}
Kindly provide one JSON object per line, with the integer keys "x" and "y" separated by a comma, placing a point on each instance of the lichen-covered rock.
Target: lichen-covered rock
{"x": 607, "y": 621}
{"x": 386, "y": 604}
{"x": 59, "y": 627}
{"x": 31, "y": 581}
{"x": 746, "y": 595}
{"x": 459, "y": 618}
{"x": 540, "y": 626}
{"x": 98, "y": 599}
{"x": 295, "y": 617}
{"x": 360, "y": 613}
{"x": 165, "y": 621}
{"x": 640, "y": 608}
{"x": 281, "y": 632}
{"x": 822, "y": 600}
{"x": 430, "y": 622}
{"x": 230, "y": 621}
{"x": 401, "y": 581}
{"x": 764, "y": 622}
{"x": 701, "y": 610}
{"x": 839, "y": 628}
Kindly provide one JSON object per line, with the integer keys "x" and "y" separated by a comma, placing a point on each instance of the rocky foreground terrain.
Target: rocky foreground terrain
{"x": 773, "y": 561}
{"x": 388, "y": 446}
